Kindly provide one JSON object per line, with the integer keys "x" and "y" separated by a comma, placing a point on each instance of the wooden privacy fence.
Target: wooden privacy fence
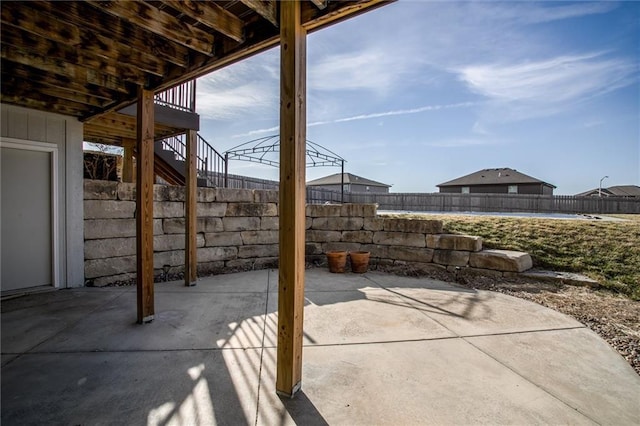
{"x": 481, "y": 202}
{"x": 437, "y": 202}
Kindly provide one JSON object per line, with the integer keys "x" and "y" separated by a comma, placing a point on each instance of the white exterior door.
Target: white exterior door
{"x": 27, "y": 217}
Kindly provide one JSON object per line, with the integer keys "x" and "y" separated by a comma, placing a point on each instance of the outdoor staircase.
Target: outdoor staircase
{"x": 170, "y": 162}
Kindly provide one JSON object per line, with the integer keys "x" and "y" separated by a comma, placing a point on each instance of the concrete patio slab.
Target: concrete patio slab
{"x": 484, "y": 312}
{"x": 431, "y": 382}
{"x": 374, "y": 315}
{"x": 319, "y": 280}
{"x": 130, "y": 388}
{"x": 378, "y": 350}
{"x": 250, "y": 281}
{"x": 571, "y": 365}
{"x": 185, "y": 319}
{"x": 391, "y": 281}
{"x": 29, "y": 320}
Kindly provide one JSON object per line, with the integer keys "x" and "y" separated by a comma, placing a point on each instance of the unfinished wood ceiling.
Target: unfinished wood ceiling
{"x": 86, "y": 59}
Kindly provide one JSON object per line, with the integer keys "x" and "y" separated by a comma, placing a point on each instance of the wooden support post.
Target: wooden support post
{"x": 191, "y": 258}
{"x": 127, "y": 161}
{"x": 144, "y": 205}
{"x": 293, "y": 59}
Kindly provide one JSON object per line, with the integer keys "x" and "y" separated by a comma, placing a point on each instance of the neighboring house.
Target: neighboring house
{"x": 497, "y": 181}
{"x": 351, "y": 182}
{"x": 627, "y": 191}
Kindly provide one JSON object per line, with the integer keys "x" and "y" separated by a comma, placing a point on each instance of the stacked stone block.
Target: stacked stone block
{"x": 238, "y": 230}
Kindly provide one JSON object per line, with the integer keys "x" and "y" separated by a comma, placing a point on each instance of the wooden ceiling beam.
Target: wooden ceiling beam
{"x": 103, "y": 139}
{"x": 268, "y": 9}
{"x": 92, "y": 56}
{"x": 121, "y": 53}
{"x": 320, "y": 4}
{"x": 55, "y": 92}
{"x": 211, "y": 15}
{"x": 259, "y": 38}
{"x": 334, "y": 12}
{"x": 43, "y": 103}
{"x": 163, "y": 24}
{"x": 57, "y": 81}
{"x": 90, "y": 42}
{"x": 121, "y": 121}
{"x": 13, "y": 13}
{"x": 92, "y": 19}
{"x": 100, "y": 73}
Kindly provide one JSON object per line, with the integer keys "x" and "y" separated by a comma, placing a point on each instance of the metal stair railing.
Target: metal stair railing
{"x": 181, "y": 97}
{"x": 214, "y": 164}
{"x": 210, "y": 165}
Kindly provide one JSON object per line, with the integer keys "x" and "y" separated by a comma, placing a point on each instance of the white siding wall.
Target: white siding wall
{"x": 67, "y": 134}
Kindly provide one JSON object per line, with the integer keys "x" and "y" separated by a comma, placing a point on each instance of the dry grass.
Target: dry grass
{"x": 607, "y": 251}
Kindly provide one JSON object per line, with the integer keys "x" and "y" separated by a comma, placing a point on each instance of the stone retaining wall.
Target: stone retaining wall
{"x": 238, "y": 230}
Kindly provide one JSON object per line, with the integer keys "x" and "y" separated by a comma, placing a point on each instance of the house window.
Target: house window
{"x": 345, "y": 187}
{"x": 513, "y": 189}
{"x": 465, "y": 189}
{"x": 368, "y": 189}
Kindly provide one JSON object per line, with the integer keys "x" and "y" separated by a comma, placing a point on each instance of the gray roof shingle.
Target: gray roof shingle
{"x": 615, "y": 191}
{"x": 500, "y": 176}
{"x": 348, "y": 178}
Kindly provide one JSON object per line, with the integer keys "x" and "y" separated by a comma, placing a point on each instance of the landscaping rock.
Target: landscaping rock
{"x": 259, "y": 237}
{"x": 363, "y": 237}
{"x": 501, "y": 260}
{"x": 558, "y": 277}
{"x": 399, "y": 239}
{"x": 109, "y": 209}
{"x": 232, "y": 224}
{"x": 100, "y": 190}
{"x": 252, "y": 209}
{"x": 454, "y": 242}
{"x": 413, "y": 225}
{"x": 168, "y": 209}
{"x": 411, "y": 254}
{"x": 451, "y": 257}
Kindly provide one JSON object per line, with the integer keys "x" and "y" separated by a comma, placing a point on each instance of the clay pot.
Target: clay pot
{"x": 359, "y": 261}
{"x": 337, "y": 261}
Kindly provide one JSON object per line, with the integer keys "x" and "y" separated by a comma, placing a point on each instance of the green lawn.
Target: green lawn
{"x": 603, "y": 250}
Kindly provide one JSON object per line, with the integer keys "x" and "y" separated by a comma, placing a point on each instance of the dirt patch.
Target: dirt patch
{"x": 614, "y": 317}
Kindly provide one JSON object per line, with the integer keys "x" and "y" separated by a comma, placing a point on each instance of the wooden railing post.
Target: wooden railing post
{"x": 191, "y": 258}
{"x": 144, "y": 206}
{"x": 292, "y": 198}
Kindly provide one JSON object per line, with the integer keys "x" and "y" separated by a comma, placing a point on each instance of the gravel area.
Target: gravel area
{"x": 614, "y": 317}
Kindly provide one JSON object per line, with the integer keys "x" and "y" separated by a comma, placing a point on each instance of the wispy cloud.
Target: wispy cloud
{"x": 246, "y": 86}
{"x": 392, "y": 113}
{"x": 564, "y": 78}
{"x": 368, "y": 69}
{"x": 367, "y": 117}
{"x": 535, "y": 13}
{"x": 546, "y": 87}
{"x": 461, "y": 142}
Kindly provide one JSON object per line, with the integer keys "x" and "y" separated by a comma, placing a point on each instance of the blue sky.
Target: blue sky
{"x": 417, "y": 93}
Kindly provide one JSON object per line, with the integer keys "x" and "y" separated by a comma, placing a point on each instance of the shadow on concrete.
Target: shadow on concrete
{"x": 302, "y": 410}
{"x": 77, "y": 356}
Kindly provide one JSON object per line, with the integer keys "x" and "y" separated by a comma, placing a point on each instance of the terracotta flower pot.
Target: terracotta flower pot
{"x": 359, "y": 261}
{"x": 337, "y": 261}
